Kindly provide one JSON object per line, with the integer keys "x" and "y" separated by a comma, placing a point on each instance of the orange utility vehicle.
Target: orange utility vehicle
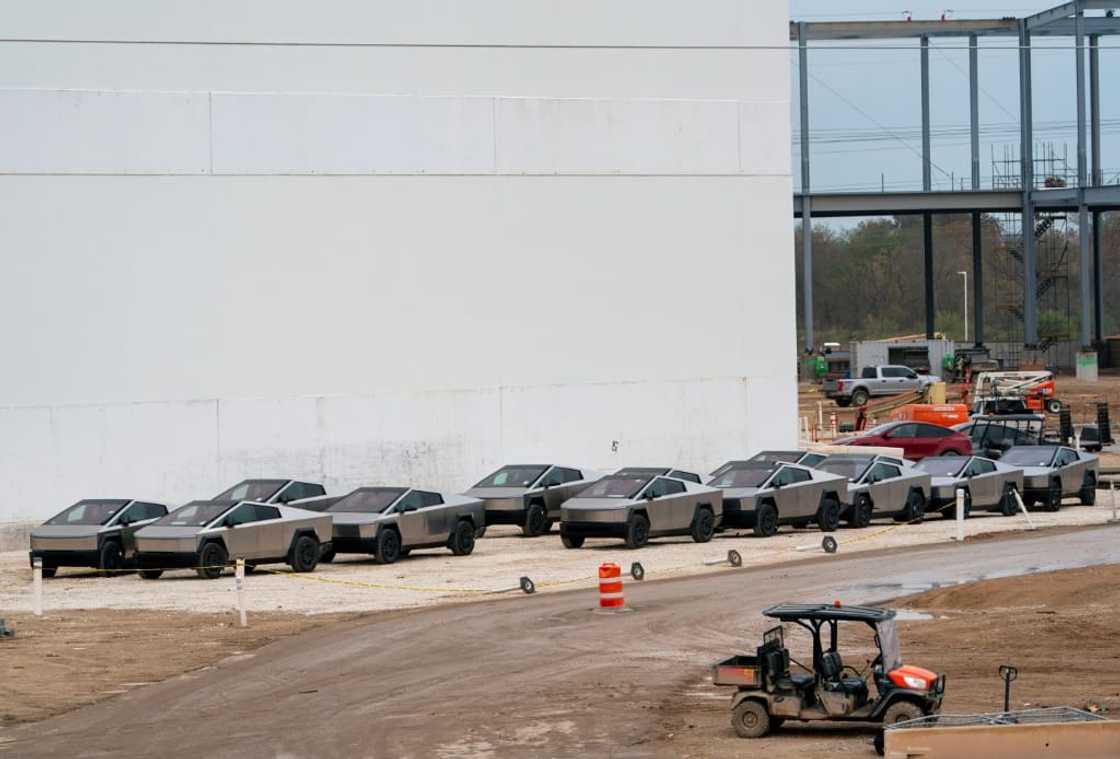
{"x": 768, "y": 693}
{"x": 1012, "y": 392}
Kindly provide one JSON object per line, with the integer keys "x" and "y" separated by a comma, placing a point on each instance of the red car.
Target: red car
{"x": 917, "y": 439}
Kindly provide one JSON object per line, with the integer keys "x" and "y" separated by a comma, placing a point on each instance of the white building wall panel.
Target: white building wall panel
{"x": 88, "y": 132}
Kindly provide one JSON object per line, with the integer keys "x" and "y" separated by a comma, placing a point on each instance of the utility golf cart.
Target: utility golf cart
{"x": 768, "y": 693}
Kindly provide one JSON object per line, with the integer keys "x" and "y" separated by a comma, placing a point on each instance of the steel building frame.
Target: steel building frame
{"x": 1089, "y": 198}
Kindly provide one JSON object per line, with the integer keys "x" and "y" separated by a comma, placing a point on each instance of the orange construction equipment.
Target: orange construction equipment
{"x": 610, "y": 587}
{"x": 1036, "y": 389}
{"x": 945, "y": 414}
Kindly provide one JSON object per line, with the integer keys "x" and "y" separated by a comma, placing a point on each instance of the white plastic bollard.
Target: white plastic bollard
{"x": 960, "y": 515}
{"x": 1113, "y": 489}
{"x": 37, "y": 587}
{"x": 239, "y": 580}
{"x": 820, "y": 415}
{"x": 1023, "y": 508}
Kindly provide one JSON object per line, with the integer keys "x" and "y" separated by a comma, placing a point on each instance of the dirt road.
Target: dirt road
{"x": 538, "y": 675}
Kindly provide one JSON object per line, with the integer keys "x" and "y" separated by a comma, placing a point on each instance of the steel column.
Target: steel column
{"x": 1085, "y": 262}
{"x": 1098, "y": 303}
{"x": 927, "y": 185}
{"x": 806, "y": 207}
{"x": 1026, "y": 152}
{"x": 977, "y": 229}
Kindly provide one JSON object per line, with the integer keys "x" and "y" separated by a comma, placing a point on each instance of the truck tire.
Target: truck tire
{"x": 703, "y": 525}
{"x": 462, "y": 538}
{"x": 828, "y": 515}
{"x": 1054, "y": 406}
{"x": 212, "y": 560}
{"x": 1088, "y": 493}
{"x": 305, "y": 554}
{"x": 901, "y": 711}
{"x": 571, "y": 541}
{"x": 860, "y": 397}
{"x": 862, "y": 510}
{"x": 915, "y": 508}
{"x": 388, "y": 546}
{"x": 750, "y": 719}
{"x": 765, "y": 520}
{"x": 326, "y": 555}
{"x": 151, "y": 574}
{"x": 843, "y": 402}
{"x": 1054, "y": 496}
{"x": 1007, "y": 504}
{"x": 536, "y": 521}
{"x": 637, "y": 531}
{"x": 110, "y": 558}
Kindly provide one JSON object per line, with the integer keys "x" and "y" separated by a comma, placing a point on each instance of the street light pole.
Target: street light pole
{"x": 965, "y": 275}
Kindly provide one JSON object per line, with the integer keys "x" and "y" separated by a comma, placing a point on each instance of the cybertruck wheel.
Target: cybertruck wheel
{"x": 750, "y": 719}
{"x": 462, "y": 539}
{"x": 536, "y": 521}
{"x": 1088, "y": 493}
{"x": 571, "y": 541}
{"x": 151, "y": 574}
{"x": 388, "y": 548}
{"x": 1054, "y": 496}
{"x": 637, "y": 531}
{"x": 915, "y": 508}
{"x": 305, "y": 554}
{"x": 765, "y": 520}
{"x": 703, "y": 525}
{"x": 111, "y": 558}
{"x": 828, "y": 516}
{"x": 480, "y": 532}
{"x": 861, "y": 512}
{"x": 212, "y": 561}
{"x": 326, "y": 556}
{"x": 1007, "y": 504}
{"x": 901, "y": 711}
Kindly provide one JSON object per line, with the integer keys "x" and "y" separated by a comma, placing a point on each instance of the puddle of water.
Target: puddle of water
{"x": 909, "y": 615}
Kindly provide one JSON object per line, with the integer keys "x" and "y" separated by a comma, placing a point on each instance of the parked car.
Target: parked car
{"x": 879, "y": 486}
{"x": 1052, "y": 472}
{"x": 389, "y": 522}
{"x": 987, "y": 484}
{"x": 763, "y": 495}
{"x": 805, "y": 458}
{"x": 636, "y": 504}
{"x": 992, "y": 435}
{"x": 530, "y": 495}
{"x": 94, "y": 532}
{"x": 271, "y": 491}
{"x": 207, "y": 535}
{"x": 916, "y": 439}
{"x": 875, "y": 382}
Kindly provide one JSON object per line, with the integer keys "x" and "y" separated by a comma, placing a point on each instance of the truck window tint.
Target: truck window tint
{"x": 414, "y": 500}
{"x": 799, "y": 475}
{"x": 569, "y": 475}
{"x": 671, "y": 487}
{"x": 869, "y": 373}
{"x": 430, "y": 499}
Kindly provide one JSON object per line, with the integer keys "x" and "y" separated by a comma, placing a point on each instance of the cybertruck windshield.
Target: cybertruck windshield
{"x": 194, "y": 514}
{"x": 888, "y": 643}
{"x": 853, "y": 469}
{"x": 367, "y": 500}
{"x": 742, "y": 477}
{"x": 615, "y": 487}
{"x": 1035, "y": 455}
{"x": 945, "y": 466}
{"x": 513, "y": 477}
{"x": 251, "y": 490}
{"x": 94, "y": 512}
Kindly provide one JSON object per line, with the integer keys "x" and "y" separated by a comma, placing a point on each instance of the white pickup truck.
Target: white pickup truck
{"x": 876, "y": 381}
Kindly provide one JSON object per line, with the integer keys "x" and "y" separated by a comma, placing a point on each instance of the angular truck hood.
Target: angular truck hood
{"x": 1037, "y": 471}
{"x": 167, "y": 532}
{"x": 496, "y": 493}
{"x": 48, "y": 531}
{"x": 741, "y": 492}
{"x": 355, "y": 517}
{"x": 598, "y": 504}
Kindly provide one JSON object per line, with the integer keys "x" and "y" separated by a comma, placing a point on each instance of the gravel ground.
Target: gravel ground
{"x": 355, "y": 583}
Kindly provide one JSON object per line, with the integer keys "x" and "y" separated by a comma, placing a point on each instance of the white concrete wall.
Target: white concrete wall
{"x": 412, "y": 261}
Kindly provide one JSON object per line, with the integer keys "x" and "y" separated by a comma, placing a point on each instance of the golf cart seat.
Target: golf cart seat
{"x": 831, "y": 677}
{"x": 777, "y": 664}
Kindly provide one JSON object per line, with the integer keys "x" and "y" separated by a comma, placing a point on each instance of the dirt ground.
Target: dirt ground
{"x": 67, "y": 654}
{"x": 1058, "y": 629}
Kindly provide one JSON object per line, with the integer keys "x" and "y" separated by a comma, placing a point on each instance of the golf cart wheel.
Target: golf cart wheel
{"x": 1007, "y": 504}
{"x": 901, "y": 711}
{"x": 1054, "y": 406}
{"x": 828, "y": 515}
{"x": 703, "y": 525}
{"x": 388, "y": 547}
{"x": 862, "y": 510}
{"x": 750, "y": 719}
{"x": 1054, "y": 496}
{"x": 536, "y": 521}
{"x": 212, "y": 561}
{"x": 110, "y": 558}
{"x": 462, "y": 539}
{"x": 859, "y": 397}
{"x": 305, "y": 554}
{"x": 326, "y": 555}
{"x": 1088, "y": 493}
{"x": 637, "y": 531}
{"x": 571, "y": 541}
{"x": 151, "y": 574}
{"x": 765, "y": 520}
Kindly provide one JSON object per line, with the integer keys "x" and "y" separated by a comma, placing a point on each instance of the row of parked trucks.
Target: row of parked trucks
{"x": 287, "y": 521}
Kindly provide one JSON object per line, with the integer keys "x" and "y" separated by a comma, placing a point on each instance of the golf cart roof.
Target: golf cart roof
{"x": 827, "y": 612}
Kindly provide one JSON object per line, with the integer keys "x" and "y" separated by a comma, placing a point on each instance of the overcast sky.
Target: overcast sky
{"x": 866, "y": 109}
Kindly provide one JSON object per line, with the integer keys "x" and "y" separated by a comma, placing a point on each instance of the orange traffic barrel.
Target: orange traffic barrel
{"x": 610, "y": 586}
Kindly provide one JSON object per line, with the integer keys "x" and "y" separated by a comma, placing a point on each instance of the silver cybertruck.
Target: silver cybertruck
{"x": 207, "y": 535}
{"x": 275, "y": 490}
{"x": 1052, "y": 472}
{"x": 987, "y": 485}
{"x": 529, "y": 495}
{"x": 879, "y": 486}
{"x": 94, "y": 532}
{"x": 390, "y": 522}
{"x": 766, "y": 494}
{"x": 805, "y": 458}
{"x": 637, "y": 503}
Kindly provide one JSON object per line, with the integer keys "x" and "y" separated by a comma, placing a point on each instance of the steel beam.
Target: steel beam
{"x": 1026, "y": 170}
{"x": 1098, "y": 302}
{"x": 1085, "y": 262}
{"x": 900, "y": 30}
{"x": 927, "y": 255}
{"x": 974, "y": 108}
{"x": 807, "y": 207}
{"x": 1050, "y": 15}
{"x": 927, "y": 167}
{"x": 1096, "y": 178}
{"x": 839, "y": 204}
{"x": 977, "y": 279}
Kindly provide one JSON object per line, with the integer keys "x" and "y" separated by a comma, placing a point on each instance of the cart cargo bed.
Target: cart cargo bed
{"x": 741, "y": 671}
